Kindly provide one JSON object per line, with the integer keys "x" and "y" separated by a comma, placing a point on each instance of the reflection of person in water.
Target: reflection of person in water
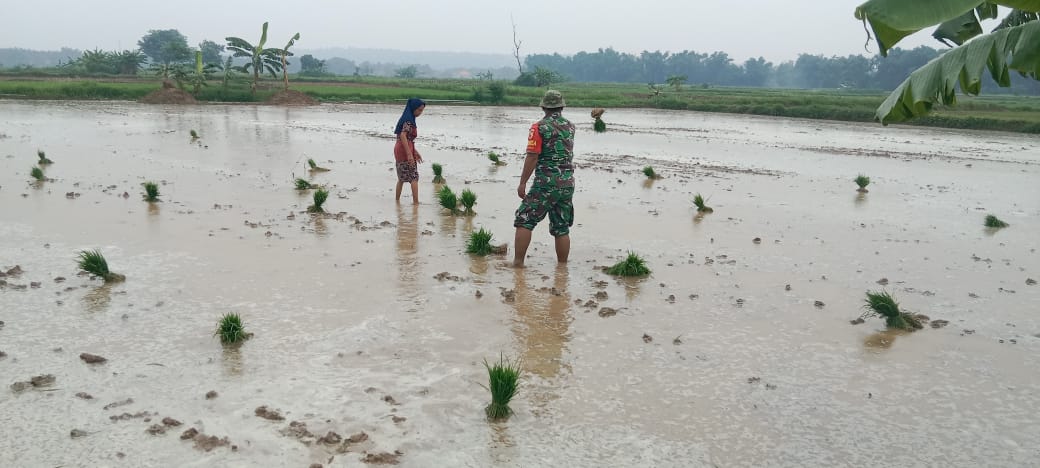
{"x": 544, "y": 319}
{"x": 407, "y": 256}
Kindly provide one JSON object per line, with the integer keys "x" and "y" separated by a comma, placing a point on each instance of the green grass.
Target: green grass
{"x": 230, "y": 330}
{"x": 633, "y": 265}
{"x": 468, "y": 199}
{"x": 882, "y": 304}
{"x": 302, "y": 184}
{"x": 320, "y": 196}
{"x": 862, "y": 181}
{"x": 479, "y": 243}
{"x": 503, "y": 382}
{"x": 992, "y": 112}
{"x": 599, "y": 125}
{"x": 151, "y": 192}
{"x": 995, "y": 222}
{"x": 495, "y": 158}
{"x": 648, "y": 171}
{"x": 194, "y": 135}
{"x": 43, "y": 158}
{"x": 37, "y": 173}
{"x": 448, "y": 199}
{"x": 698, "y": 201}
{"x": 438, "y": 172}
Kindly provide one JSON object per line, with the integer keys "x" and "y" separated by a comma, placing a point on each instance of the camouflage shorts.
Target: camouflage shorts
{"x": 550, "y": 194}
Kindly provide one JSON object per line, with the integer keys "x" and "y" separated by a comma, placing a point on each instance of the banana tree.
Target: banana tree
{"x": 200, "y": 75}
{"x": 283, "y": 53}
{"x": 1013, "y": 45}
{"x": 260, "y": 59}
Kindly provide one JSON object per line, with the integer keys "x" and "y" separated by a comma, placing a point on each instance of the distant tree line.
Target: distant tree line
{"x": 718, "y": 68}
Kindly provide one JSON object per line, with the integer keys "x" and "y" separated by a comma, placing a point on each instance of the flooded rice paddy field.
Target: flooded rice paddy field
{"x": 733, "y": 353}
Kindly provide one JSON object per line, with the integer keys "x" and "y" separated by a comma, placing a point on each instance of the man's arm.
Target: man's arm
{"x": 529, "y": 164}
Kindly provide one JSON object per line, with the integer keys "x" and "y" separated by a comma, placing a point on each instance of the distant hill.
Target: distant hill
{"x": 13, "y": 57}
{"x": 433, "y": 59}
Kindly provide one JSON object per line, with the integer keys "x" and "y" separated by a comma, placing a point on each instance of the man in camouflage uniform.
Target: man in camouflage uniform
{"x": 550, "y": 154}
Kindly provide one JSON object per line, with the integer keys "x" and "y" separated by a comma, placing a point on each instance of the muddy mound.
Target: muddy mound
{"x": 168, "y": 96}
{"x": 292, "y": 98}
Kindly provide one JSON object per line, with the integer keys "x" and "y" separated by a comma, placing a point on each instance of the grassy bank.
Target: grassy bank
{"x": 1006, "y": 113}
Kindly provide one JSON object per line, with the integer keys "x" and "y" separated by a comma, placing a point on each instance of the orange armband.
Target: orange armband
{"x": 534, "y": 140}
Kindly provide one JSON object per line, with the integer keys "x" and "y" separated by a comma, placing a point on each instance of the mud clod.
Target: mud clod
{"x": 601, "y": 295}
{"x": 819, "y": 304}
{"x": 84, "y": 396}
{"x": 383, "y": 458}
{"x": 883, "y": 281}
{"x": 118, "y": 404}
{"x": 208, "y": 443}
{"x": 127, "y": 416}
{"x": 1030, "y": 282}
{"x": 92, "y": 358}
{"x": 389, "y": 399}
{"x": 647, "y": 338}
{"x": 607, "y": 312}
{"x": 331, "y": 438}
{"x": 211, "y": 394}
{"x": 939, "y": 323}
{"x": 398, "y": 419}
{"x": 858, "y": 321}
{"x": 77, "y": 433}
{"x": 269, "y": 414}
{"x": 787, "y": 287}
{"x": 170, "y": 422}
{"x": 2, "y": 354}
{"x": 357, "y": 438}
{"x": 156, "y": 429}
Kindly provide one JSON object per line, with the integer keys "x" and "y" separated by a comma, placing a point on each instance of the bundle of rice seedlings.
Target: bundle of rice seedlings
{"x": 314, "y": 166}
{"x": 503, "y": 381}
{"x": 91, "y": 261}
{"x": 230, "y": 330}
{"x": 194, "y": 135}
{"x": 633, "y": 265}
{"x": 151, "y": 192}
{"x": 448, "y": 199}
{"x": 995, "y": 222}
{"x": 438, "y": 170}
{"x": 648, "y": 171}
{"x": 599, "y": 125}
{"x": 862, "y": 181}
{"x": 698, "y": 201}
{"x": 479, "y": 243}
{"x": 882, "y": 304}
{"x": 320, "y": 196}
{"x": 43, "y": 158}
{"x": 37, "y": 173}
{"x": 302, "y": 184}
{"x": 468, "y": 200}
{"x": 496, "y": 159}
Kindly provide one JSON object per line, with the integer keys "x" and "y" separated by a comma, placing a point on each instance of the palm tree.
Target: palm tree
{"x": 285, "y": 53}
{"x": 1011, "y": 46}
{"x": 260, "y": 59}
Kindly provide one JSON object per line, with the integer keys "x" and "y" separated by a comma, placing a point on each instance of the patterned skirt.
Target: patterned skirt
{"x": 407, "y": 171}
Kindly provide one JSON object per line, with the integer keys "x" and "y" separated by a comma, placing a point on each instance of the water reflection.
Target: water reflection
{"x": 153, "y": 208}
{"x": 543, "y": 321}
{"x": 649, "y": 183}
{"x": 861, "y": 198}
{"x": 98, "y": 299}
{"x": 408, "y": 255}
{"x": 320, "y": 228}
{"x": 883, "y": 339}
{"x": 231, "y": 359}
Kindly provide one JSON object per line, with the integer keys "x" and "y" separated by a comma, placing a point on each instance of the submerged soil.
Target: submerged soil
{"x": 291, "y": 97}
{"x": 372, "y": 320}
{"x": 167, "y": 95}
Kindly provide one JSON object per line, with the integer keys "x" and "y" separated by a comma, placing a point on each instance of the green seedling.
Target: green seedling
{"x": 494, "y": 157}
{"x": 194, "y": 135}
{"x": 480, "y": 243}
{"x": 882, "y": 304}
{"x": 633, "y": 265}
{"x": 314, "y": 166}
{"x": 320, "y": 196}
{"x": 438, "y": 171}
{"x": 302, "y": 184}
{"x": 698, "y": 201}
{"x": 468, "y": 200}
{"x": 648, "y": 171}
{"x": 862, "y": 181}
{"x": 230, "y": 330}
{"x": 503, "y": 382}
{"x": 91, "y": 261}
{"x": 151, "y": 192}
{"x": 448, "y": 199}
{"x": 37, "y": 174}
{"x": 599, "y": 125}
{"x": 995, "y": 222}
{"x": 43, "y": 158}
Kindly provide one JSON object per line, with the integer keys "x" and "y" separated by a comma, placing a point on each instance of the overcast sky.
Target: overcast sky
{"x": 777, "y": 30}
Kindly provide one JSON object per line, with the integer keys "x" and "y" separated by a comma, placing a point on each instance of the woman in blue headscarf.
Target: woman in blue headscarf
{"x": 405, "y": 155}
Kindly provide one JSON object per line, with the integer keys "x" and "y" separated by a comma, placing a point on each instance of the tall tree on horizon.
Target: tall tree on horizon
{"x": 165, "y": 46}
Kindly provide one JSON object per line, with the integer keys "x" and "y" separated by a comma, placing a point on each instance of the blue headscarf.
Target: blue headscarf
{"x": 409, "y": 114}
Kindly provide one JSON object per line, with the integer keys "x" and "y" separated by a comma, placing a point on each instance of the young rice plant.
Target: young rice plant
{"x": 479, "y": 243}
{"x": 194, "y": 135}
{"x": 37, "y": 173}
{"x": 314, "y": 166}
{"x": 995, "y": 222}
{"x": 438, "y": 172}
{"x": 151, "y": 192}
{"x": 633, "y": 265}
{"x": 503, "y": 381}
{"x": 862, "y": 181}
{"x": 448, "y": 199}
{"x": 230, "y": 329}
{"x": 43, "y": 158}
{"x": 320, "y": 196}
{"x": 468, "y": 200}
{"x": 599, "y": 125}
{"x": 91, "y": 261}
{"x": 648, "y": 171}
{"x": 493, "y": 156}
{"x": 698, "y": 201}
{"x": 882, "y": 304}
{"x": 302, "y": 184}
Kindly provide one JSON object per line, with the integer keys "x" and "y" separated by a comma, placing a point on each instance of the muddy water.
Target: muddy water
{"x": 712, "y": 361}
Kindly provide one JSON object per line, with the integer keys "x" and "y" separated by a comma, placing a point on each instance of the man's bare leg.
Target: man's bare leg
{"x": 521, "y": 242}
{"x": 563, "y": 248}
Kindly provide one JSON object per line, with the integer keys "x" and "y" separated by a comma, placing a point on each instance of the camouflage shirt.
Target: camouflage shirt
{"x": 552, "y": 138}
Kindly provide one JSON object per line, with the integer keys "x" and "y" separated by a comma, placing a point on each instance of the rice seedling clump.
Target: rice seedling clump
{"x": 633, "y": 265}
{"x": 43, "y": 158}
{"x": 438, "y": 173}
{"x": 599, "y": 125}
{"x": 230, "y": 329}
{"x": 479, "y": 243}
{"x": 314, "y": 166}
{"x": 995, "y": 222}
{"x": 320, "y": 196}
{"x": 882, "y": 304}
{"x": 91, "y": 261}
{"x": 151, "y": 192}
{"x": 194, "y": 135}
{"x": 495, "y": 159}
{"x": 302, "y": 184}
{"x": 503, "y": 381}
{"x": 448, "y": 199}
{"x": 37, "y": 173}
{"x": 862, "y": 181}
{"x": 698, "y": 201}
{"x": 468, "y": 200}
{"x": 648, "y": 171}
